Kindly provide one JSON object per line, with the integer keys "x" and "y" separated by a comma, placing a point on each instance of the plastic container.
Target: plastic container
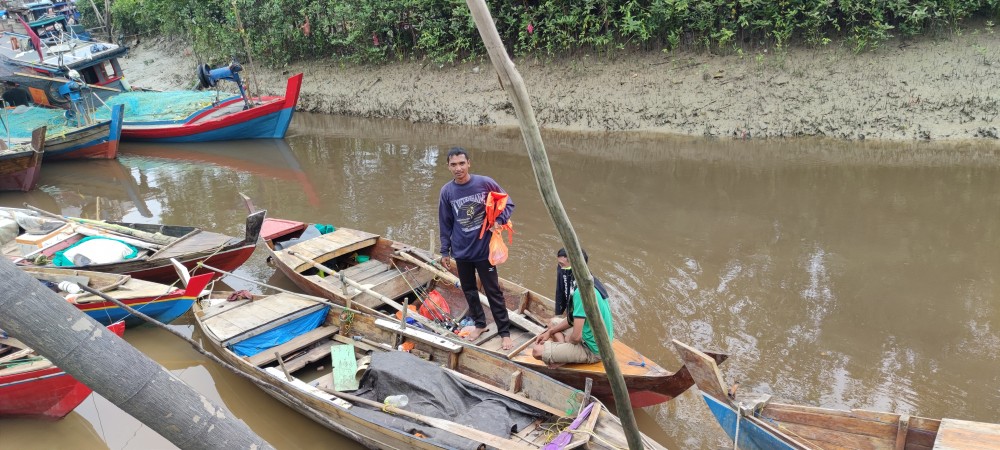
{"x": 69, "y": 286}
{"x": 397, "y": 401}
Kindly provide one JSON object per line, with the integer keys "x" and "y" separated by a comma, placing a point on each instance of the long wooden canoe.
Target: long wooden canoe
{"x": 188, "y": 245}
{"x": 757, "y": 424}
{"x": 393, "y": 270}
{"x": 273, "y": 338}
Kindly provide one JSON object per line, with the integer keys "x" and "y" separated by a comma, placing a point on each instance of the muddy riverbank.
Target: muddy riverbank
{"x": 931, "y": 89}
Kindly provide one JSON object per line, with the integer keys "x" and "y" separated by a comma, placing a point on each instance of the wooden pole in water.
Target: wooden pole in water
{"x": 113, "y": 368}
{"x": 512, "y": 82}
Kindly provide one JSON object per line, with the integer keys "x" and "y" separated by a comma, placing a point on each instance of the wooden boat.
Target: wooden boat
{"x": 394, "y": 270}
{"x": 64, "y": 139}
{"x": 757, "y": 424}
{"x": 228, "y": 119}
{"x": 188, "y": 245}
{"x": 41, "y": 65}
{"x": 31, "y": 386}
{"x": 460, "y": 397}
{"x": 159, "y": 301}
{"x": 21, "y": 164}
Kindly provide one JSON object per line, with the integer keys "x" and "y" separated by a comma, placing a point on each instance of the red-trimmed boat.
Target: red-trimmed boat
{"x": 31, "y": 386}
{"x": 188, "y": 245}
{"x": 152, "y": 117}
{"x": 159, "y": 301}
{"x": 21, "y": 164}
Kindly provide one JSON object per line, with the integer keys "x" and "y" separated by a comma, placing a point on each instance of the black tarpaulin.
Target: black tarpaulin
{"x": 435, "y": 392}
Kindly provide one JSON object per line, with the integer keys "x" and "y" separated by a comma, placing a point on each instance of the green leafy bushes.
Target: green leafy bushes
{"x": 279, "y": 31}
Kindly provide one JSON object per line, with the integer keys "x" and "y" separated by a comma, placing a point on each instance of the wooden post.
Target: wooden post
{"x": 512, "y": 82}
{"x": 111, "y": 367}
{"x": 107, "y": 20}
{"x": 281, "y": 362}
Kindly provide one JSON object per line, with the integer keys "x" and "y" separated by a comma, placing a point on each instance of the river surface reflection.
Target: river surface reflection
{"x": 845, "y": 275}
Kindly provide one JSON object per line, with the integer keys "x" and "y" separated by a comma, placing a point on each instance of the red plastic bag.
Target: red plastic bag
{"x": 438, "y": 310}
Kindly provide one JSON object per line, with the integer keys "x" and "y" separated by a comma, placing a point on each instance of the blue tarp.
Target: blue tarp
{"x": 279, "y": 335}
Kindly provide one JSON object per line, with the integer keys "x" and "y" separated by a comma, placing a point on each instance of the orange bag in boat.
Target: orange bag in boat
{"x": 495, "y": 204}
{"x": 399, "y": 314}
{"x": 498, "y": 250}
{"x": 438, "y": 309}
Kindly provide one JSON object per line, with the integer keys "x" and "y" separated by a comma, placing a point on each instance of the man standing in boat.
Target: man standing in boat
{"x": 461, "y": 212}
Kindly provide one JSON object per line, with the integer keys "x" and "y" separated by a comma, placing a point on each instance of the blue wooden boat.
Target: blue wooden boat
{"x": 192, "y": 116}
{"x": 159, "y": 301}
{"x": 754, "y": 423}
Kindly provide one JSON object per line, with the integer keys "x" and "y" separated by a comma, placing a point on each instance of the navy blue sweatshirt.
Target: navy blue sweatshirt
{"x": 461, "y": 212}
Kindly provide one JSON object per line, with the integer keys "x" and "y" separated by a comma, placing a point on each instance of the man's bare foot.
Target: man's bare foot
{"x": 472, "y": 332}
{"x": 507, "y": 343}
{"x": 556, "y": 365}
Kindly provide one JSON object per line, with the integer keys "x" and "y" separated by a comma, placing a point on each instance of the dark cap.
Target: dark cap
{"x": 562, "y": 253}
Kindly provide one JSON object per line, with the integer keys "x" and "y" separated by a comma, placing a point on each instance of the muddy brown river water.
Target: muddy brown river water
{"x": 837, "y": 274}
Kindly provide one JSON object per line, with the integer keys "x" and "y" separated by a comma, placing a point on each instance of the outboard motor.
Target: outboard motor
{"x": 209, "y": 78}
{"x": 71, "y": 90}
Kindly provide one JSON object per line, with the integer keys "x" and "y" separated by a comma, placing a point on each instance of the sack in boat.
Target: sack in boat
{"x": 95, "y": 250}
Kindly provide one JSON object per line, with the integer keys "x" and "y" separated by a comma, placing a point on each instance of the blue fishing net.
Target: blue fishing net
{"x": 22, "y": 120}
{"x": 144, "y": 106}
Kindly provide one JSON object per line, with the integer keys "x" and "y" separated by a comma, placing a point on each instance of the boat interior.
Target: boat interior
{"x": 340, "y": 260}
{"x": 315, "y": 334}
{"x": 388, "y": 268}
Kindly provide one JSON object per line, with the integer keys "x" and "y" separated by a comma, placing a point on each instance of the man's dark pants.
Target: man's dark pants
{"x": 491, "y": 284}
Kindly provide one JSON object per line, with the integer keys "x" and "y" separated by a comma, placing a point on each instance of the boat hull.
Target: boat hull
{"x": 161, "y": 270}
{"x": 163, "y": 310}
{"x": 751, "y": 436}
{"x": 98, "y": 141}
{"x": 269, "y": 120}
{"x": 47, "y": 393}
{"x": 20, "y": 170}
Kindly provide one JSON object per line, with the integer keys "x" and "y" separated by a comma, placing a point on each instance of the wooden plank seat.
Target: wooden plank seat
{"x": 326, "y": 247}
{"x": 195, "y": 241}
{"x": 315, "y": 354}
{"x": 962, "y": 434}
{"x": 420, "y": 335}
{"x": 300, "y": 342}
{"x": 378, "y": 277}
{"x": 236, "y": 324}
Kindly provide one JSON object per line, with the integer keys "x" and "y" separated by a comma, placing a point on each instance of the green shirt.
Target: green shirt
{"x": 588, "y": 332}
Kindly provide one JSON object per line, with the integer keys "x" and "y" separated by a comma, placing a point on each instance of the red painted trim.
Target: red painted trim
{"x": 292, "y": 90}
{"x": 47, "y": 393}
{"x": 105, "y": 150}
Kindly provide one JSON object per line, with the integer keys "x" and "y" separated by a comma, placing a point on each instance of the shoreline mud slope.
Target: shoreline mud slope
{"x": 929, "y": 89}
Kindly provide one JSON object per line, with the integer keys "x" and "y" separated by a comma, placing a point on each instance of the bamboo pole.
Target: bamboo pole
{"x": 512, "y": 82}
{"x": 111, "y": 367}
